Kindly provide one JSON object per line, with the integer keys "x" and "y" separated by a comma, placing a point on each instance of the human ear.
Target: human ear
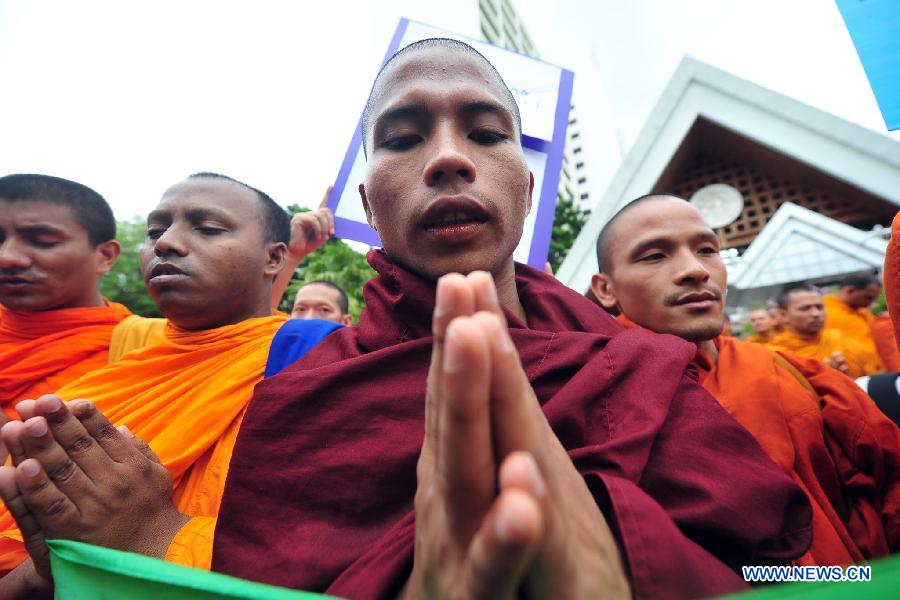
{"x": 604, "y": 290}
{"x": 369, "y": 216}
{"x": 275, "y": 258}
{"x": 530, "y": 191}
{"x": 106, "y": 255}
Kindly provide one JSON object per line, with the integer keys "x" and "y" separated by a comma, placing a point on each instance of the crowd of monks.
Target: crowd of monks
{"x": 482, "y": 431}
{"x": 838, "y": 329}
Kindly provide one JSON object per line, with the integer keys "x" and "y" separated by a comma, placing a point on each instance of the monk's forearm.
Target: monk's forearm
{"x": 24, "y": 582}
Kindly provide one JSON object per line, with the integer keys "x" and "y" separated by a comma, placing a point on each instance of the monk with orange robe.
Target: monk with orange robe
{"x": 892, "y": 275}
{"x": 804, "y": 310}
{"x": 57, "y": 238}
{"x": 214, "y": 247}
{"x": 848, "y": 310}
{"x": 886, "y": 342}
{"x": 763, "y": 326}
{"x": 660, "y": 266}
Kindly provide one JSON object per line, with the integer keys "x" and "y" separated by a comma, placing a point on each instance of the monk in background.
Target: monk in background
{"x": 660, "y": 266}
{"x": 322, "y": 300}
{"x": 806, "y": 334}
{"x": 763, "y": 326}
{"x": 483, "y": 430}
{"x": 849, "y": 312}
{"x": 214, "y": 247}
{"x": 57, "y": 239}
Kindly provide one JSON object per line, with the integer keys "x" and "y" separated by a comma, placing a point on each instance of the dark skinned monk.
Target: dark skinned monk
{"x": 660, "y": 265}
{"x": 483, "y": 430}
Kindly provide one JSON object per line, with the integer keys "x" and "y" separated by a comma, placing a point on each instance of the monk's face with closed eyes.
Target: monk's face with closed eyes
{"x": 447, "y": 186}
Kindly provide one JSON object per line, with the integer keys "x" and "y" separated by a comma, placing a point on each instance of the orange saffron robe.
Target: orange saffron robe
{"x": 831, "y": 440}
{"x": 854, "y": 323}
{"x": 892, "y": 275}
{"x": 860, "y": 360}
{"x": 886, "y": 343}
{"x": 42, "y": 351}
{"x": 829, "y": 437}
{"x": 185, "y": 393}
{"x": 760, "y": 338}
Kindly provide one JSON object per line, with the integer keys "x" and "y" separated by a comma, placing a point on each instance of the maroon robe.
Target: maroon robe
{"x": 320, "y": 490}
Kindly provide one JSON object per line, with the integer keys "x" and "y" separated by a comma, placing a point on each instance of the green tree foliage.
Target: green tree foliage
{"x": 124, "y": 283}
{"x": 335, "y": 262}
{"x": 567, "y": 223}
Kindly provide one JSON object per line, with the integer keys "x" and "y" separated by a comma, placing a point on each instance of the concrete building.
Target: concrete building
{"x": 501, "y": 25}
{"x": 816, "y": 190}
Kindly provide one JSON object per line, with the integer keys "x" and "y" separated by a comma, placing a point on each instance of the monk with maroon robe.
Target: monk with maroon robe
{"x": 447, "y": 189}
{"x": 492, "y": 433}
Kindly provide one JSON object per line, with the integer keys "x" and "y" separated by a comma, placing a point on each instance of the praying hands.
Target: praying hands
{"x": 499, "y": 505}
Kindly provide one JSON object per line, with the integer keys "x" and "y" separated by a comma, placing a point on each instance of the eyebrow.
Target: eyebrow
{"x": 41, "y": 229}
{"x": 419, "y": 110}
{"x": 193, "y": 214}
{"x": 661, "y": 242}
{"x": 416, "y": 110}
{"x": 472, "y": 109}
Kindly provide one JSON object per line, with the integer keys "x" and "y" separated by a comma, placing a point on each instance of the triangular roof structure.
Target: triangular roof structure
{"x": 866, "y": 162}
{"x": 799, "y": 244}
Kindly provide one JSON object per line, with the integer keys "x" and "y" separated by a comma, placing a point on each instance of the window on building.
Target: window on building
{"x": 582, "y": 180}
{"x": 488, "y": 6}
{"x": 575, "y": 135}
{"x": 489, "y": 21}
{"x": 579, "y": 165}
{"x": 584, "y": 196}
{"x": 508, "y": 11}
{"x": 510, "y": 34}
{"x": 576, "y": 150}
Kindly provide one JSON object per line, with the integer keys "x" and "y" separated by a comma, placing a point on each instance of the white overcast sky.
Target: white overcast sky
{"x": 130, "y": 97}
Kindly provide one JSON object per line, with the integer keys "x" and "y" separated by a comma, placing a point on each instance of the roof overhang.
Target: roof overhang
{"x": 801, "y": 245}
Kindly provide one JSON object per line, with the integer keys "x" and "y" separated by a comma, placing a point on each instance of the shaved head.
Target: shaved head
{"x": 445, "y": 44}
{"x": 603, "y": 240}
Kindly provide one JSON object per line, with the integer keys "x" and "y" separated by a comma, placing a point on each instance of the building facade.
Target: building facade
{"x": 501, "y": 25}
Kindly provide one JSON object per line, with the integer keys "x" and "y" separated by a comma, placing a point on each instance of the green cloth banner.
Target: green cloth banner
{"x": 885, "y": 584}
{"x": 83, "y": 571}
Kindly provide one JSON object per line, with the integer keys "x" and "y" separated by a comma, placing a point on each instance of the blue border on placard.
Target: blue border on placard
{"x": 540, "y": 241}
{"x": 348, "y": 227}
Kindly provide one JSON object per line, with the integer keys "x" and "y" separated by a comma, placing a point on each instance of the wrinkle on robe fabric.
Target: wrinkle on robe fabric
{"x": 321, "y": 486}
{"x": 860, "y": 360}
{"x": 886, "y": 343}
{"x": 819, "y": 441}
{"x": 185, "y": 394}
{"x": 42, "y": 351}
{"x": 854, "y": 323}
{"x": 831, "y": 439}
